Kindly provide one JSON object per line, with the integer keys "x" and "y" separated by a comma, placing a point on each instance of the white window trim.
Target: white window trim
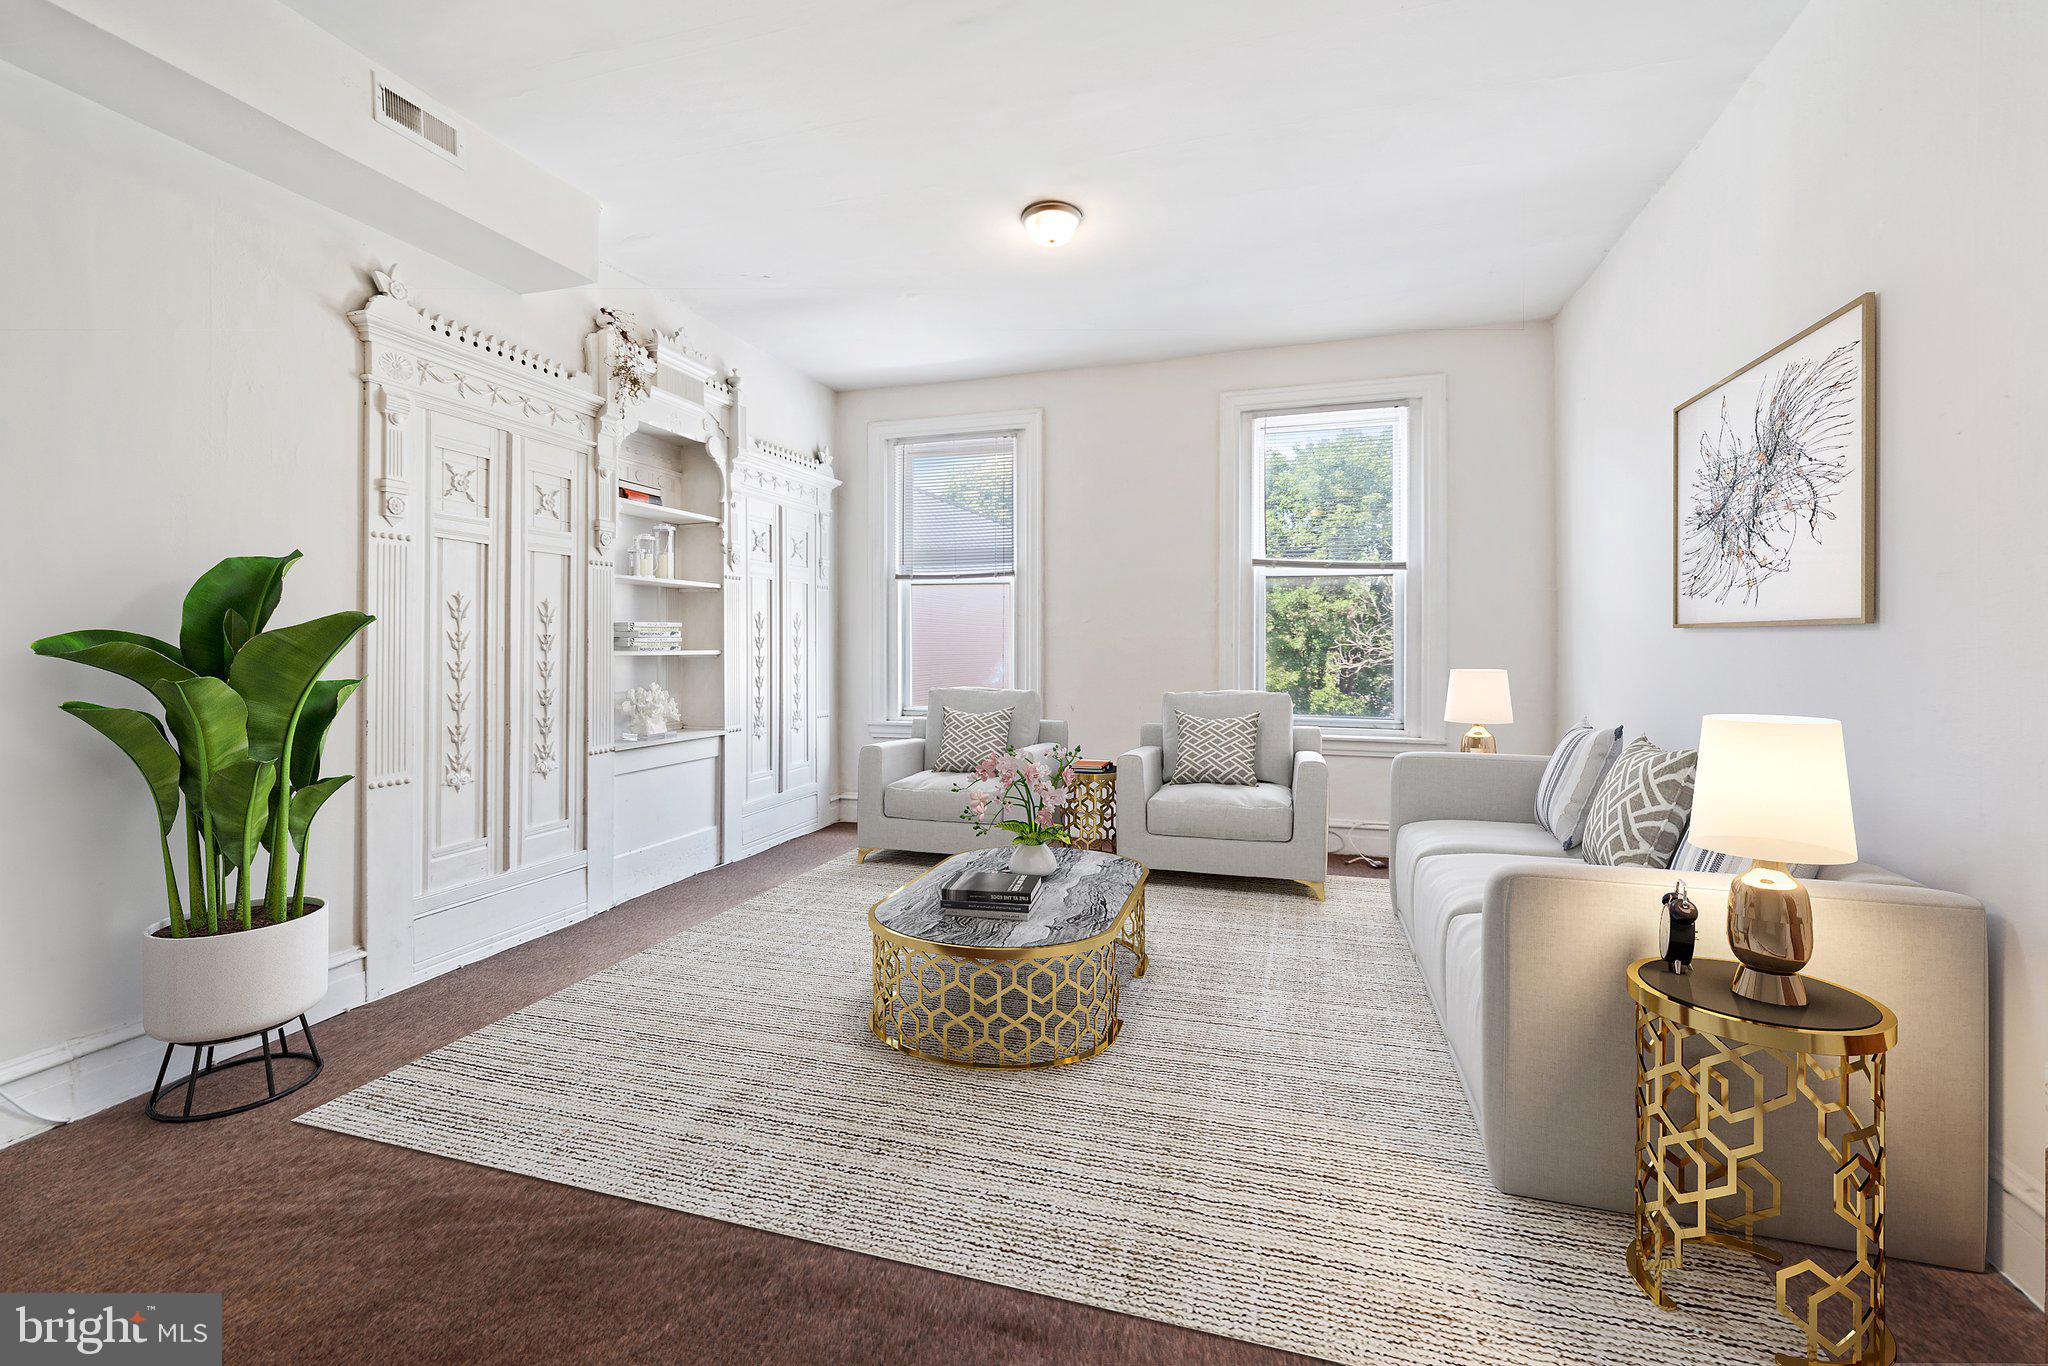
{"x": 1028, "y": 424}
{"x": 1427, "y": 636}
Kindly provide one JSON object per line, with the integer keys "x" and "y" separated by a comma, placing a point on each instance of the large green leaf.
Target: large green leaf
{"x": 141, "y": 737}
{"x": 276, "y": 671}
{"x": 211, "y": 723}
{"x": 238, "y": 797}
{"x": 309, "y": 737}
{"x": 306, "y": 804}
{"x": 248, "y": 586}
{"x": 144, "y": 659}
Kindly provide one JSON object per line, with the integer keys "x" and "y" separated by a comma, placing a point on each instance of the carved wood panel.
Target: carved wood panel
{"x": 764, "y": 648}
{"x": 464, "y": 613}
{"x": 545, "y": 762}
{"x": 800, "y": 668}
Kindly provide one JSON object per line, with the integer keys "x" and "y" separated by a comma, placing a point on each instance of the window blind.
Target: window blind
{"x": 1333, "y": 485}
{"x": 956, "y": 506}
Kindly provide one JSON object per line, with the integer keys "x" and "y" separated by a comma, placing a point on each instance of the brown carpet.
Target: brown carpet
{"x": 337, "y": 1249}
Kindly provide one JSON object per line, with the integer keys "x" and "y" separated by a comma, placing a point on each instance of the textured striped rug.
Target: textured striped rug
{"x": 1276, "y": 1149}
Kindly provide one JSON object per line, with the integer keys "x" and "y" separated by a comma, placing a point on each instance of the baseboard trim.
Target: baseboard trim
{"x": 2019, "y": 1227}
{"x": 94, "y": 1071}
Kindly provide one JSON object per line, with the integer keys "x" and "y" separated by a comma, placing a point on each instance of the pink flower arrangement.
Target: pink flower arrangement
{"x": 1037, "y": 785}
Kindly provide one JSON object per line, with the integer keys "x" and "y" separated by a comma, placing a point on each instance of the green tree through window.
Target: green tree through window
{"x": 1330, "y": 496}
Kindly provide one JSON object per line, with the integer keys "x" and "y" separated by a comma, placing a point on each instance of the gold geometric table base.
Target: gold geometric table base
{"x": 1701, "y": 1103}
{"x": 1040, "y": 1006}
{"x": 1091, "y": 820}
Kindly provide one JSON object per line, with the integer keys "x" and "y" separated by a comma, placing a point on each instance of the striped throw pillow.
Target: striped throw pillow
{"x": 1572, "y": 777}
{"x": 968, "y": 737}
{"x": 1694, "y": 858}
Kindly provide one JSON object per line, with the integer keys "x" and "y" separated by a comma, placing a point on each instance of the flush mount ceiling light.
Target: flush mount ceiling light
{"x": 1050, "y": 222}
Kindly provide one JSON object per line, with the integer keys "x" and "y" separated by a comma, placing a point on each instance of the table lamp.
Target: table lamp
{"x": 1478, "y": 698}
{"x": 1773, "y": 789}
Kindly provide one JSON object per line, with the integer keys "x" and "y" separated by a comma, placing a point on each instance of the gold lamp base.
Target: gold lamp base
{"x": 1770, "y": 928}
{"x": 1478, "y": 740}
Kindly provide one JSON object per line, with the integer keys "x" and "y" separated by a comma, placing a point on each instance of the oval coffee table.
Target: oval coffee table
{"x": 1034, "y": 992}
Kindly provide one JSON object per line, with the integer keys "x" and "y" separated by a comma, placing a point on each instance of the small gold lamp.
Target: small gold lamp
{"x": 1774, "y": 789}
{"x": 1479, "y": 698}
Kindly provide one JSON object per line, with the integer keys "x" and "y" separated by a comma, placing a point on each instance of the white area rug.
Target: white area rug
{"x": 1276, "y": 1149}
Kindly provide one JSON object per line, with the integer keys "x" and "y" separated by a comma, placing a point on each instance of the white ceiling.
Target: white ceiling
{"x": 839, "y": 180}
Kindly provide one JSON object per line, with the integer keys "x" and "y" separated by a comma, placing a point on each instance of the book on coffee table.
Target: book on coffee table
{"x": 995, "y": 893}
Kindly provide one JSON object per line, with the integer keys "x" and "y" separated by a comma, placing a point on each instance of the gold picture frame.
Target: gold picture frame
{"x": 1725, "y": 559}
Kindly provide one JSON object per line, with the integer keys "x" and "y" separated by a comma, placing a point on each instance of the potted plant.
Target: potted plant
{"x": 236, "y": 751}
{"x": 1037, "y": 788}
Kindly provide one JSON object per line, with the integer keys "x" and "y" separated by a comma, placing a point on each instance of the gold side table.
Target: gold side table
{"x": 1091, "y": 824}
{"x": 1711, "y": 1066}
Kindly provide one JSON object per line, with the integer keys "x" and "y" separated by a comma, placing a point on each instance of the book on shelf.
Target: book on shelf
{"x": 636, "y": 634}
{"x": 639, "y": 493}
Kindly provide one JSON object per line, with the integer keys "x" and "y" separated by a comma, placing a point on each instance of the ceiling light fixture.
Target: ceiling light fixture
{"x": 1050, "y": 222}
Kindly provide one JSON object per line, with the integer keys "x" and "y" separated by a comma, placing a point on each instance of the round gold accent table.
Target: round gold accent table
{"x": 1034, "y": 992}
{"x": 1711, "y": 1066}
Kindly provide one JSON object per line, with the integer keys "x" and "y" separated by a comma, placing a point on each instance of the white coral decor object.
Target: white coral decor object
{"x": 649, "y": 710}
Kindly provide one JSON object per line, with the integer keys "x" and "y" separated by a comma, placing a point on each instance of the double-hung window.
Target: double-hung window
{"x": 1329, "y": 600}
{"x": 960, "y": 596}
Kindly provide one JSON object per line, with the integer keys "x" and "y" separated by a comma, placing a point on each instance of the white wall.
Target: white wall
{"x": 180, "y": 384}
{"x": 1895, "y": 146}
{"x": 1131, "y": 534}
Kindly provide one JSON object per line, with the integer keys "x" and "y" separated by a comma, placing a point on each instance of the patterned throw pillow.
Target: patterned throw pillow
{"x": 1572, "y": 777}
{"x": 1642, "y": 807}
{"x": 1217, "y": 749}
{"x": 968, "y": 737}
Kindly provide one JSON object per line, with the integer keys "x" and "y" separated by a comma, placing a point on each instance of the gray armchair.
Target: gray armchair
{"x": 907, "y": 804}
{"x": 1278, "y": 827}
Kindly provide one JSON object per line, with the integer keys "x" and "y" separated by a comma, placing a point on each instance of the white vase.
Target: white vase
{"x": 207, "y": 988}
{"x": 1033, "y": 858}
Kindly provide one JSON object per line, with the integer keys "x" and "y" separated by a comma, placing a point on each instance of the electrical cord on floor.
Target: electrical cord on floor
{"x": 1343, "y": 833}
{"x": 27, "y": 1113}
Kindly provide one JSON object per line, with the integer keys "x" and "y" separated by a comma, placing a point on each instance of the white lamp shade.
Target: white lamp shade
{"x": 1479, "y": 697}
{"x": 1773, "y": 787}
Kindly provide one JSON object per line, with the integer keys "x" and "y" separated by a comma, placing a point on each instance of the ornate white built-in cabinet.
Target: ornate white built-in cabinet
{"x": 781, "y": 611}
{"x": 502, "y": 794}
{"x": 668, "y": 445}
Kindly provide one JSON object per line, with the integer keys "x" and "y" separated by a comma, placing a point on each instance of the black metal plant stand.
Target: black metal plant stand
{"x": 269, "y": 1059}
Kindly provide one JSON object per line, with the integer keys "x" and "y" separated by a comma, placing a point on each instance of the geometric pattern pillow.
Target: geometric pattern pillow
{"x": 1571, "y": 778}
{"x": 968, "y": 737}
{"x": 1217, "y": 749}
{"x": 1642, "y": 807}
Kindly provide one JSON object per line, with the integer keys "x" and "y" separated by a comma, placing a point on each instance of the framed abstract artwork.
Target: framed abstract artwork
{"x": 1774, "y": 487}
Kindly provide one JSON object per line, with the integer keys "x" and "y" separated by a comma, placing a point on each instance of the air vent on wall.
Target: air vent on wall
{"x": 400, "y": 111}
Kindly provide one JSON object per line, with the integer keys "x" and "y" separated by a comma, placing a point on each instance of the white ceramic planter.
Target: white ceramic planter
{"x": 1033, "y": 858}
{"x": 201, "y": 990}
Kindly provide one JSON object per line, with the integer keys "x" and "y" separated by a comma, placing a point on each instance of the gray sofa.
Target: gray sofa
{"x": 1277, "y": 828}
{"x": 905, "y": 804}
{"x": 1523, "y": 947}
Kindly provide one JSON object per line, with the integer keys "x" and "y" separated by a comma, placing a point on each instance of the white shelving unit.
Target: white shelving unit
{"x": 674, "y": 737}
{"x": 656, "y": 512}
{"x": 656, "y": 581}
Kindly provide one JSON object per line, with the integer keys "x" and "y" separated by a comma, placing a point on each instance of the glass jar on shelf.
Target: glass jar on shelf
{"x": 643, "y": 555}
